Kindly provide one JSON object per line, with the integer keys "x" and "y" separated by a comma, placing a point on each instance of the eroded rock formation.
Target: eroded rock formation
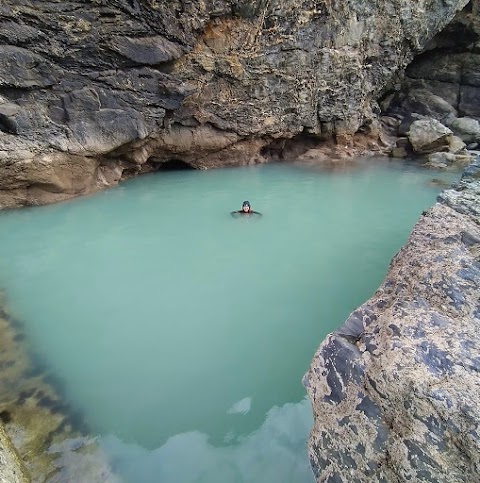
{"x": 442, "y": 85}
{"x": 395, "y": 389}
{"x": 93, "y": 91}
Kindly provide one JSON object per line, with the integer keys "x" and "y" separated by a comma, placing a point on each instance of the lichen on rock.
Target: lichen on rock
{"x": 394, "y": 390}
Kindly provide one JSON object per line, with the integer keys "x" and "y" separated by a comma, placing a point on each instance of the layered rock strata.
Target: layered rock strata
{"x": 395, "y": 389}
{"x": 92, "y": 92}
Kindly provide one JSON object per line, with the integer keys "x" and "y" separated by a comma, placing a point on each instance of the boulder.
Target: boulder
{"x": 467, "y": 129}
{"x": 440, "y": 160}
{"x": 456, "y": 145}
{"x": 314, "y": 156}
{"x": 428, "y": 136}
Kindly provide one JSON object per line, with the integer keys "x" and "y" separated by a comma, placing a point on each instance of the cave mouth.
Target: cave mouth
{"x": 174, "y": 165}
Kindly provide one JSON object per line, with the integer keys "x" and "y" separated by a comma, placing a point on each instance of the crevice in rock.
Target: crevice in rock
{"x": 7, "y": 126}
{"x": 172, "y": 165}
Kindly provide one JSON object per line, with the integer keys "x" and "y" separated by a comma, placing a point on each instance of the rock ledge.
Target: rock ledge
{"x": 394, "y": 390}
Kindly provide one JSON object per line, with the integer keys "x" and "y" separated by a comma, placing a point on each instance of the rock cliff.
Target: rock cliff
{"x": 94, "y": 91}
{"x": 395, "y": 389}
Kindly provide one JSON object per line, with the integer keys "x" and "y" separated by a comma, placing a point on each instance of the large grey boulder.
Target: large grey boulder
{"x": 467, "y": 129}
{"x": 395, "y": 390}
{"x": 429, "y": 135}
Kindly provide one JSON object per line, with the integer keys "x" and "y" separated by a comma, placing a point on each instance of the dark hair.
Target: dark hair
{"x": 246, "y": 203}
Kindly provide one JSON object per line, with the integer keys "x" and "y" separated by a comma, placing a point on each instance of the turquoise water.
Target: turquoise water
{"x": 182, "y": 334}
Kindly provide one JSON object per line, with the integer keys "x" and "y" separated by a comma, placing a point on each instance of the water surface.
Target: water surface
{"x": 181, "y": 333}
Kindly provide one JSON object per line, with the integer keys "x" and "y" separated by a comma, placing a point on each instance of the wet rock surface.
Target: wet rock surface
{"x": 95, "y": 92}
{"x": 41, "y": 438}
{"x": 12, "y": 469}
{"x": 395, "y": 389}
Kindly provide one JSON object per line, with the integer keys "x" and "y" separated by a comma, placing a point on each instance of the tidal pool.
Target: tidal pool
{"x": 180, "y": 333}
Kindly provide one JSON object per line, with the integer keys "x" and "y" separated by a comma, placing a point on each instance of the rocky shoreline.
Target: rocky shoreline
{"x": 394, "y": 390}
{"x": 41, "y": 439}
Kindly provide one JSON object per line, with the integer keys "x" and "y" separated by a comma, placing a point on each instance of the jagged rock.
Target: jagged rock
{"x": 467, "y": 129}
{"x": 395, "y": 390}
{"x": 120, "y": 81}
{"x": 428, "y": 135}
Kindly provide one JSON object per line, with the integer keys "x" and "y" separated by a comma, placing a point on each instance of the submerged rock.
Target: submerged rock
{"x": 440, "y": 160}
{"x": 395, "y": 390}
{"x": 41, "y": 438}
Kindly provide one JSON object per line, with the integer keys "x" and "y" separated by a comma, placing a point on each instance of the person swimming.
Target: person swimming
{"x": 246, "y": 210}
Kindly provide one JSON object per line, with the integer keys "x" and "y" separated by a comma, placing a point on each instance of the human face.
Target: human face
{"x": 246, "y": 208}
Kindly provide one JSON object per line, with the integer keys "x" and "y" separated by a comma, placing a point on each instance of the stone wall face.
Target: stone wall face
{"x": 395, "y": 390}
{"x": 93, "y": 91}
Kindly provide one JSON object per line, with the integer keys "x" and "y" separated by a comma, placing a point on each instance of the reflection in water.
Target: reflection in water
{"x": 241, "y": 407}
{"x": 273, "y": 453}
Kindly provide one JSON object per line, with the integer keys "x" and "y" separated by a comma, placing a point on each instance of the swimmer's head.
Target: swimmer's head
{"x": 246, "y": 206}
